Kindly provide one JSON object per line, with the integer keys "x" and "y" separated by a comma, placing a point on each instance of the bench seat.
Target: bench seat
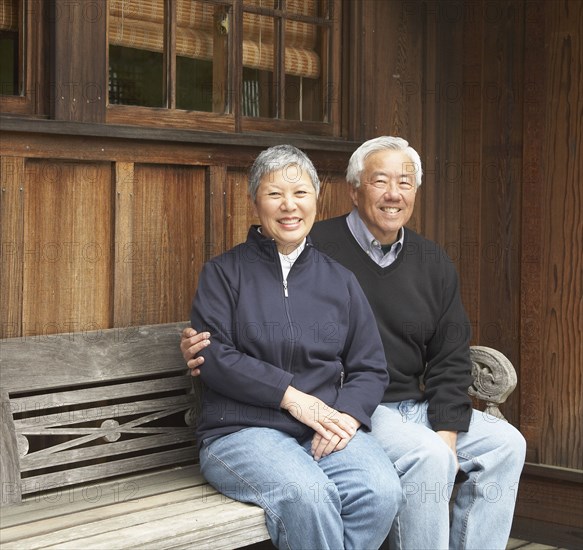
{"x": 175, "y": 508}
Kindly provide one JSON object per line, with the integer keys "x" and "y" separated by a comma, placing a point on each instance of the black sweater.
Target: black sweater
{"x": 422, "y": 322}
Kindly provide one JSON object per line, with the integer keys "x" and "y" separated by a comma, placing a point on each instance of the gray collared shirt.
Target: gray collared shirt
{"x": 371, "y": 245}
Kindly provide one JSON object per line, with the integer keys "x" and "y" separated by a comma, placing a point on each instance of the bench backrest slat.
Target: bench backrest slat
{"x": 41, "y": 420}
{"x": 38, "y": 461}
{"x": 34, "y": 363}
{"x": 87, "y": 395}
{"x": 52, "y": 481}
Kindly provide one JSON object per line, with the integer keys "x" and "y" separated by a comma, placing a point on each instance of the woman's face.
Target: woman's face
{"x": 286, "y": 206}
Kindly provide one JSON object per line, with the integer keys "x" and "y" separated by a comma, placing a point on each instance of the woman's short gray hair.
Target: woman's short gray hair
{"x": 356, "y": 163}
{"x": 277, "y": 158}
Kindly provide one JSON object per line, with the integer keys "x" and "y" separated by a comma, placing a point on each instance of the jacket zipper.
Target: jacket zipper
{"x": 286, "y": 305}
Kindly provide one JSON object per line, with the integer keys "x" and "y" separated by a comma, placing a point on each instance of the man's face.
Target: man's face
{"x": 386, "y": 195}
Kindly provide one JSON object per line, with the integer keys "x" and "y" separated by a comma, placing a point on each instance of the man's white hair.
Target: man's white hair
{"x": 356, "y": 163}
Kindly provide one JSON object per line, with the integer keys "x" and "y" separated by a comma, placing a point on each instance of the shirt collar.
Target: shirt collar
{"x": 367, "y": 240}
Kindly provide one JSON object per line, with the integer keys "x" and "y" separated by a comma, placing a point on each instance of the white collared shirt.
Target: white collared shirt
{"x": 288, "y": 260}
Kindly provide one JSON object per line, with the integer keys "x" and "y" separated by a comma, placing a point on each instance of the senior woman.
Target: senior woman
{"x": 298, "y": 368}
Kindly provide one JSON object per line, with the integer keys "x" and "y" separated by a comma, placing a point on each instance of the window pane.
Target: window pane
{"x": 9, "y": 44}
{"x": 258, "y": 93}
{"x": 135, "y": 77}
{"x": 202, "y": 63}
{"x": 301, "y": 82}
{"x": 303, "y": 79}
{"x": 136, "y": 46}
{"x": 258, "y": 97}
{"x": 194, "y": 90}
{"x": 304, "y": 7}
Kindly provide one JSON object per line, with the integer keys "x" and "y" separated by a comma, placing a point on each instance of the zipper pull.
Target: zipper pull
{"x": 341, "y": 379}
{"x": 285, "y": 289}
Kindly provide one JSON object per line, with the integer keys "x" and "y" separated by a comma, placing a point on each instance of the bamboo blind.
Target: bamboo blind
{"x": 8, "y": 15}
{"x": 139, "y": 24}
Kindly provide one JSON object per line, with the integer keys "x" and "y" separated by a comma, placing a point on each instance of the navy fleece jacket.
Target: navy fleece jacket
{"x": 320, "y": 336}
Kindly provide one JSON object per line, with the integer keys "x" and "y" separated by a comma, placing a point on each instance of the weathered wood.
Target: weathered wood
{"x": 84, "y": 357}
{"x": 38, "y": 460}
{"x": 10, "y": 492}
{"x": 88, "y": 395}
{"x": 12, "y": 177}
{"x": 101, "y": 517}
{"x": 63, "y": 503}
{"x": 123, "y": 237}
{"x": 110, "y": 404}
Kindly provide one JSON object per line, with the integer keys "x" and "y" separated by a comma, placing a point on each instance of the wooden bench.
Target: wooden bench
{"x": 98, "y": 449}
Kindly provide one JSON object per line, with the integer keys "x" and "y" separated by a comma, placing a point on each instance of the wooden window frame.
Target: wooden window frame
{"x": 33, "y": 97}
{"x": 330, "y": 77}
{"x": 234, "y": 121}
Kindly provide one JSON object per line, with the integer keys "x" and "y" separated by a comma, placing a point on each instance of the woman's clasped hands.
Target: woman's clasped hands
{"x": 333, "y": 429}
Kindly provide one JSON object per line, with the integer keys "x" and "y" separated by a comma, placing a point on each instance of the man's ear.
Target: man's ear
{"x": 353, "y": 194}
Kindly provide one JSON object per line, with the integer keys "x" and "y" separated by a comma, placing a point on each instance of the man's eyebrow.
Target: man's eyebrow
{"x": 387, "y": 174}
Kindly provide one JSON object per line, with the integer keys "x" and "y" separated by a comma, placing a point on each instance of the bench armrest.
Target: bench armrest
{"x": 494, "y": 378}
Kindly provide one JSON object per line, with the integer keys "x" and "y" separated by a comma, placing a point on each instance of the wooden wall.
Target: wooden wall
{"x": 92, "y": 239}
{"x": 109, "y": 227}
{"x": 499, "y": 86}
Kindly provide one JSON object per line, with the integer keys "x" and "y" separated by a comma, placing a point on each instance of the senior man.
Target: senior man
{"x": 425, "y": 423}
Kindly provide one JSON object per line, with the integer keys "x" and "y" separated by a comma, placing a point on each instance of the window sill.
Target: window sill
{"x": 10, "y": 123}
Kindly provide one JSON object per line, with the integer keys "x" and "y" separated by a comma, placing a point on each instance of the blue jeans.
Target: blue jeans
{"x": 492, "y": 453}
{"x": 348, "y": 499}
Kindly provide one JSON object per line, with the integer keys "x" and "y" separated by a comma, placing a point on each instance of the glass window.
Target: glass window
{"x": 10, "y": 73}
{"x": 161, "y": 54}
{"x": 256, "y": 59}
{"x": 283, "y": 53}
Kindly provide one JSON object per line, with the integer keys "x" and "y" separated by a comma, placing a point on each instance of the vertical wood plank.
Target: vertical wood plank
{"x": 391, "y": 40}
{"x": 123, "y": 248}
{"x": 469, "y": 169}
{"x": 562, "y": 204}
{"x": 334, "y": 199}
{"x": 428, "y": 202}
{"x": 353, "y": 66}
{"x": 221, "y": 60}
{"x": 79, "y": 80}
{"x": 332, "y": 60}
{"x": 449, "y": 97}
{"x": 168, "y": 241}
{"x": 217, "y": 213}
{"x": 239, "y": 209}
{"x": 12, "y": 242}
{"x": 501, "y": 177}
{"x": 531, "y": 282}
{"x": 67, "y": 247}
